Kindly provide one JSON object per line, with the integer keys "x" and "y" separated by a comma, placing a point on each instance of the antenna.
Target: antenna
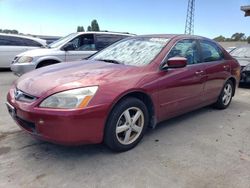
{"x": 189, "y": 27}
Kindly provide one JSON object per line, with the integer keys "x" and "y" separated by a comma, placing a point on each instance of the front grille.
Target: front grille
{"x": 22, "y": 96}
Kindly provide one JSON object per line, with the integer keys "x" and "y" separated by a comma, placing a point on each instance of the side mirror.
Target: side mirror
{"x": 69, "y": 47}
{"x": 175, "y": 62}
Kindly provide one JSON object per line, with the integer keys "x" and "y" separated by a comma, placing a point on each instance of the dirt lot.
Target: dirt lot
{"x": 205, "y": 148}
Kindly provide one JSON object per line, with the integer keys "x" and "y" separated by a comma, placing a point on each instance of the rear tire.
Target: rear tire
{"x": 226, "y": 96}
{"x": 126, "y": 125}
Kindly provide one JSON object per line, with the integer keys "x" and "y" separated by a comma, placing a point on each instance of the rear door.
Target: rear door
{"x": 217, "y": 69}
{"x": 84, "y": 46}
{"x": 181, "y": 89}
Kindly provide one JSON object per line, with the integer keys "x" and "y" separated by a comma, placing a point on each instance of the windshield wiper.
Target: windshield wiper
{"x": 109, "y": 61}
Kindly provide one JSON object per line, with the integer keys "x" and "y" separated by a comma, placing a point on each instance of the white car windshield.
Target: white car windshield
{"x": 241, "y": 52}
{"x": 62, "y": 40}
{"x": 137, "y": 51}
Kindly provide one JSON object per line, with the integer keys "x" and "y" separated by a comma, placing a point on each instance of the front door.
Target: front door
{"x": 181, "y": 89}
{"x": 84, "y": 46}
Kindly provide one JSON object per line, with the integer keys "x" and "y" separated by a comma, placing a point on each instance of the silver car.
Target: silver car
{"x": 75, "y": 46}
{"x": 12, "y": 45}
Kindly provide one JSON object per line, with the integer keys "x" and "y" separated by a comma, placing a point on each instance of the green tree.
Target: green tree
{"x": 89, "y": 28}
{"x": 248, "y": 39}
{"x": 95, "y": 26}
{"x": 228, "y": 39}
{"x": 80, "y": 29}
{"x": 14, "y": 31}
{"x": 238, "y": 37}
{"x": 220, "y": 38}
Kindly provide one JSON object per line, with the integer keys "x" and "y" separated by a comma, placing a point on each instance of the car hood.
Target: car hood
{"x": 38, "y": 52}
{"x": 68, "y": 75}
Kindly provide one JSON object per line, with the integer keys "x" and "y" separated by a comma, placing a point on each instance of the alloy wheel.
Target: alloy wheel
{"x": 228, "y": 91}
{"x": 129, "y": 125}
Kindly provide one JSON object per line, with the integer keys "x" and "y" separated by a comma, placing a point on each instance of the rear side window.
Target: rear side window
{"x": 104, "y": 40}
{"x": 187, "y": 48}
{"x": 16, "y": 41}
{"x": 210, "y": 51}
{"x": 4, "y": 41}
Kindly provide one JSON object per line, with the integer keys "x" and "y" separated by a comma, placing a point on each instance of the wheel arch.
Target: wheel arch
{"x": 47, "y": 59}
{"x": 145, "y": 98}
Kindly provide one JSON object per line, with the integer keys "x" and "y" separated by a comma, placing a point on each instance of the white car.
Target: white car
{"x": 75, "y": 46}
{"x": 12, "y": 45}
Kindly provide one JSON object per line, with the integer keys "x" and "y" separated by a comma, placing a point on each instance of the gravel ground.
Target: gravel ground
{"x": 204, "y": 148}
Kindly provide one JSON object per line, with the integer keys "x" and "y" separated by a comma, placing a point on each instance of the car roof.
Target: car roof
{"x": 26, "y": 37}
{"x": 180, "y": 36}
{"x": 107, "y": 33}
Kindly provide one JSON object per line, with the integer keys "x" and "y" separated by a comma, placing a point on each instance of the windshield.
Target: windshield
{"x": 241, "y": 52}
{"x": 137, "y": 51}
{"x": 62, "y": 40}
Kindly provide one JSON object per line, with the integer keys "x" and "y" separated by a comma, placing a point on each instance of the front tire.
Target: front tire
{"x": 226, "y": 96}
{"x": 126, "y": 124}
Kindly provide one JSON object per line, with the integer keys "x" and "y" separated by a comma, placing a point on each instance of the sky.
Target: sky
{"x": 61, "y": 17}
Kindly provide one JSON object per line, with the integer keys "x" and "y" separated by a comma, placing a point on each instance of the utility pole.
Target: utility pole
{"x": 189, "y": 27}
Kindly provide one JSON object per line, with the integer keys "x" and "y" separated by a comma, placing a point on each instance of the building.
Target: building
{"x": 246, "y": 9}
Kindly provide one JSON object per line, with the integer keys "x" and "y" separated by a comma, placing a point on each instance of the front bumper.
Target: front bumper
{"x": 21, "y": 68}
{"x": 66, "y": 127}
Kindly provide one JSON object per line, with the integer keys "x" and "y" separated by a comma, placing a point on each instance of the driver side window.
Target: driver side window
{"x": 186, "y": 48}
{"x": 84, "y": 43}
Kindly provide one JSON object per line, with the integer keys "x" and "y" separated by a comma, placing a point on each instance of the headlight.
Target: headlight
{"x": 71, "y": 99}
{"x": 25, "y": 59}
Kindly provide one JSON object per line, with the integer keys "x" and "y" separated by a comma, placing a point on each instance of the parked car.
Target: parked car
{"x": 12, "y": 45}
{"x": 229, "y": 49}
{"x": 73, "y": 47}
{"x": 242, "y": 54}
{"x": 120, "y": 91}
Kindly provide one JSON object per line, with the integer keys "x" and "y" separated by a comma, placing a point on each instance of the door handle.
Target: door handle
{"x": 199, "y": 73}
{"x": 226, "y": 67}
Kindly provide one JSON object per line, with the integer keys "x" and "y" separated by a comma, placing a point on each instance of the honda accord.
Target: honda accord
{"x": 116, "y": 94}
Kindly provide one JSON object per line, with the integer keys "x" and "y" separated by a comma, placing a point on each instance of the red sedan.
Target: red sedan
{"x": 116, "y": 94}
